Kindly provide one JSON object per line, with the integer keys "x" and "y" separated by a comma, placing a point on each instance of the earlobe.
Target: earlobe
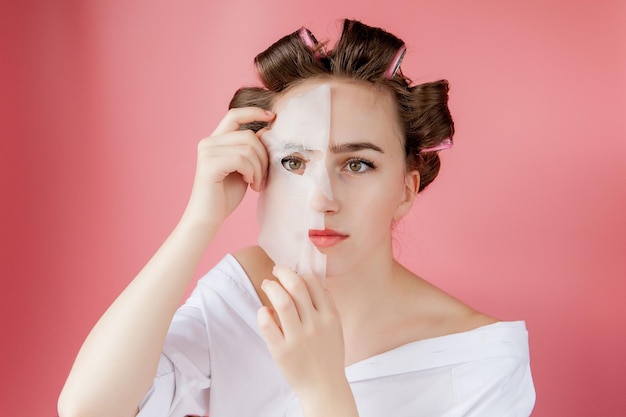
{"x": 411, "y": 187}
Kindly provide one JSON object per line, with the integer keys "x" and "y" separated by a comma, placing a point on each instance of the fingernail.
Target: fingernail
{"x": 269, "y": 112}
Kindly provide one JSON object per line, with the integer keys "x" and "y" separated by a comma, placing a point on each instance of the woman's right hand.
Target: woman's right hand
{"x": 228, "y": 161}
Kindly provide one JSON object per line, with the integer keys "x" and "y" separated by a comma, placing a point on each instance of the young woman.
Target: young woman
{"x": 320, "y": 319}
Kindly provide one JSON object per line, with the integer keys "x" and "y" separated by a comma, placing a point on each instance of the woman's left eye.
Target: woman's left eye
{"x": 358, "y": 166}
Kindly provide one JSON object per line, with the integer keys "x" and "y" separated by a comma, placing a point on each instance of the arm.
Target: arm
{"x": 305, "y": 339}
{"x": 117, "y": 362}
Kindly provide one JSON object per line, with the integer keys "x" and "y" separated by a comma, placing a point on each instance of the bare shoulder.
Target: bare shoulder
{"x": 441, "y": 313}
{"x": 257, "y": 265}
{"x": 461, "y": 317}
{"x": 413, "y": 310}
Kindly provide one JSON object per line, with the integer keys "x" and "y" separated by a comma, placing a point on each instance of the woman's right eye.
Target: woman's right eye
{"x": 293, "y": 164}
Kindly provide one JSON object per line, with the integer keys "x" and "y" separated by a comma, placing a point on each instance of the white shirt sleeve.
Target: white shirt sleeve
{"x": 494, "y": 387}
{"x": 181, "y": 385}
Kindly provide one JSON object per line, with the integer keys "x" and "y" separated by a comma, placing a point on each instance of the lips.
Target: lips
{"x": 326, "y": 238}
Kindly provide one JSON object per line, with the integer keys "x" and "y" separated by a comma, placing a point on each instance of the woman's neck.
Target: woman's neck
{"x": 367, "y": 290}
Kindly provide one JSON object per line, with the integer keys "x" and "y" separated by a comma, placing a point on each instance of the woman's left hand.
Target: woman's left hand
{"x": 304, "y": 337}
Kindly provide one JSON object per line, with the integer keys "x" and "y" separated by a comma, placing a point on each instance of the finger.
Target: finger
{"x": 283, "y": 306}
{"x": 237, "y": 138}
{"x": 264, "y": 158}
{"x": 223, "y": 163}
{"x": 261, "y": 131}
{"x": 250, "y": 161}
{"x": 242, "y": 115}
{"x": 246, "y": 143}
{"x": 320, "y": 297}
{"x": 260, "y": 153}
{"x": 297, "y": 290}
{"x": 237, "y": 149}
{"x": 269, "y": 327}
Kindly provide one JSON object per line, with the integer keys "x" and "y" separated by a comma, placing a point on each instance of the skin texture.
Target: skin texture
{"x": 367, "y": 305}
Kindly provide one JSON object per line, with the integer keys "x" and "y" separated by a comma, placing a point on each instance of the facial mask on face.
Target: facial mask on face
{"x": 300, "y": 132}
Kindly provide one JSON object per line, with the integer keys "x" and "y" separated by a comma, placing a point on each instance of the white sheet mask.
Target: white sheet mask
{"x": 285, "y": 213}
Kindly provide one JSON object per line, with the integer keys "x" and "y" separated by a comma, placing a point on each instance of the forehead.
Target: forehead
{"x": 341, "y": 88}
{"x": 359, "y": 111}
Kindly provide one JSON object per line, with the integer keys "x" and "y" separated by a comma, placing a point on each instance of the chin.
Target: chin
{"x": 334, "y": 267}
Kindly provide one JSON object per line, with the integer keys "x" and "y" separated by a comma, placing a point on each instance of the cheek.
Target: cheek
{"x": 282, "y": 196}
{"x": 285, "y": 202}
{"x": 284, "y": 223}
{"x": 376, "y": 198}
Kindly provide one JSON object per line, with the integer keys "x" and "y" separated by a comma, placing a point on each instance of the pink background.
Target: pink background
{"x": 102, "y": 104}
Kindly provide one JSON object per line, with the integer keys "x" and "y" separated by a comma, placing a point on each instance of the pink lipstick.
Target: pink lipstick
{"x": 326, "y": 238}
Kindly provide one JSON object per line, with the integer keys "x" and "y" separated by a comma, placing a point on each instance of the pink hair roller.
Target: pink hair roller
{"x": 445, "y": 144}
{"x": 309, "y": 40}
{"x": 395, "y": 63}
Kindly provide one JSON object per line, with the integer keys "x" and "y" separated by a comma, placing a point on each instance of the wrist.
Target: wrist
{"x": 194, "y": 231}
{"x": 329, "y": 400}
{"x": 193, "y": 222}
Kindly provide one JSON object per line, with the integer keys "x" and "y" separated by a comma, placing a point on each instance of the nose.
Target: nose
{"x": 322, "y": 199}
{"x": 323, "y": 202}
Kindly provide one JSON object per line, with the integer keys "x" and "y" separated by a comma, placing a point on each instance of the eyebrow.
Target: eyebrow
{"x": 295, "y": 147}
{"x": 354, "y": 146}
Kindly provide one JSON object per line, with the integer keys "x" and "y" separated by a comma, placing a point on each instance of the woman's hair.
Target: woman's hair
{"x": 367, "y": 54}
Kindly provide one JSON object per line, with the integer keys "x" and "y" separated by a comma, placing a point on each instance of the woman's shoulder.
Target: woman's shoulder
{"x": 255, "y": 262}
{"x": 257, "y": 266}
{"x": 438, "y": 312}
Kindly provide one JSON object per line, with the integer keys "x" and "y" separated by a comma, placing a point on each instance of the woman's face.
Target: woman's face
{"x": 337, "y": 178}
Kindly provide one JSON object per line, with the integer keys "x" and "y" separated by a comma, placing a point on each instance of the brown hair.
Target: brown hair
{"x": 363, "y": 53}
